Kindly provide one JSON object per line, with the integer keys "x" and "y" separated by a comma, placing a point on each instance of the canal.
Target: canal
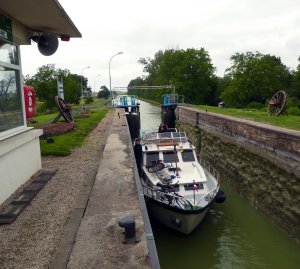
{"x": 233, "y": 235}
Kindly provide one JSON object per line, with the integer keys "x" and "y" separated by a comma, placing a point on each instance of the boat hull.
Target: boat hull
{"x": 183, "y": 221}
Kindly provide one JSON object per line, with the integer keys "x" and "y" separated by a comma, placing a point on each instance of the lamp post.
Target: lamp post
{"x": 95, "y": 84}
{"x": 81, "y": 84}
{"x": 109, "y": 73}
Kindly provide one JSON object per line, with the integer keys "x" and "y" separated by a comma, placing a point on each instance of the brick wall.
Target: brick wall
{"x": 260, "y": 161}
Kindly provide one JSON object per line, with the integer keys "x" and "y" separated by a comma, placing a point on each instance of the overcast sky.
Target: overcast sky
{"x": 141, "y": 28}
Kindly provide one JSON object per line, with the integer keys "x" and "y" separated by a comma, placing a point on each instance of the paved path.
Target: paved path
{"x": 99, "y": 240}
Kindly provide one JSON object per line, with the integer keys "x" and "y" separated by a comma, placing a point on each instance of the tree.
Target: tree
{"x": 190, "y": 71}
{"x": 137, "y": 82}
{"x": 104, "y": 93}
{"x": 9, "y": 100}
{"x": 72, "y": 90}
{"x": 254, "y": 78}
{"x": 295, "y": 86}
{"x": 45, "y": 84}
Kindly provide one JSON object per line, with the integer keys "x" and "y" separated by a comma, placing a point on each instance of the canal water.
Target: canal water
{"x": 233, "y": 235}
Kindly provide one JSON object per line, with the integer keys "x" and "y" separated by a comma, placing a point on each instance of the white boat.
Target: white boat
{"x": 178, "y": 190}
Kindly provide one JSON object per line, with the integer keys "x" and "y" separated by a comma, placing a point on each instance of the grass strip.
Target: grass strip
{"x": 283, "y": 120}
{"x": 63, "y": 144}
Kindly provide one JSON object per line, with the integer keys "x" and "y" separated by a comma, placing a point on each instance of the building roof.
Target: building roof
{"x": 40, "y": 16}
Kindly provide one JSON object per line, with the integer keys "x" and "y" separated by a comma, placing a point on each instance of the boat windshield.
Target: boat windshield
{"x": 152, "y": 157}
{"x": 187, "y": 156}
{"x": 170, "y": 157}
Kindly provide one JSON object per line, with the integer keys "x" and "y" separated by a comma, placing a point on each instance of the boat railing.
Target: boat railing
{"x": 176, "y": 200}
{"x": 205, "y": 164}
{"x": 209, "y": 196}
{"x": 171, "y": 199}
{"x": 150, "y": 136}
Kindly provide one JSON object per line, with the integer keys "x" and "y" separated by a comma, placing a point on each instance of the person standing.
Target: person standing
{"x": 138, "y": 152}
{"x": 161, "y": 128}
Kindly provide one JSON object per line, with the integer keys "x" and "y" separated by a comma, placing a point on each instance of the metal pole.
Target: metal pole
{"x": 95, "y": 84}
{"x": 81, "y": 85}
{"x": 194, "y": 191}
{"x": 110, "y": 75}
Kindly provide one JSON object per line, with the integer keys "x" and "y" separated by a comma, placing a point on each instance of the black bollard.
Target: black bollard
{"x": 129, "y": 224}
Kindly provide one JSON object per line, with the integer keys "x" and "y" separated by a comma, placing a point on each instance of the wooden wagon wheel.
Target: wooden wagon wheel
{"x": 64, "y": 109}
{"x": 277, "y": 103}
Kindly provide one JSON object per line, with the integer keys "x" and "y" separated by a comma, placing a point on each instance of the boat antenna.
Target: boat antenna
{"x": 194, "y": 191}
{"x": 175, "y": 156}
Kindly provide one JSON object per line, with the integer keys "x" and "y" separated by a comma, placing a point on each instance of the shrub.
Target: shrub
{"x": 41, "y": 107}
{"x": 256, "y": 105}
{"x": 295, "y": 111}
{"x": 89, "y": 99}
{"x": 293, "y": 102}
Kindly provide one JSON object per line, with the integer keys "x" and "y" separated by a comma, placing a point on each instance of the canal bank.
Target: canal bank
{"x": 99, "y": 241}
{"x": 260, "y": 161}
{"x": 233, "y": 234}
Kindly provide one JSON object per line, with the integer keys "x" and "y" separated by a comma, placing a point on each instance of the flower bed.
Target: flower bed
{"x": 57, "y": 128}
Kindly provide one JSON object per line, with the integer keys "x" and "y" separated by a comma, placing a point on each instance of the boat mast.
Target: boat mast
{"x": 175, "y": 156}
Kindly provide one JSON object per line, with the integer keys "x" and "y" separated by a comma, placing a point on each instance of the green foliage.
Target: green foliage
{"x": 41, "y": 107}
{"x": 293, "y": 102}
{"x": 295, "y": 85}
{"x": 256, "y": 105}
{"x": 293, "y": 111}
{"x": 45, "y": 84}
{"x": 104, "y": 93}
{"x": 72, "y": 90}
{"x": 254, "y": 78}
{"x": 137, "y": 82}
{"x": 190, "y": 71}
{"x": 89, "y": 99}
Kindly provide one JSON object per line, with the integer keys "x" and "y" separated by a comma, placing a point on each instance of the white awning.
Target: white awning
{"x": 40, "y": 16}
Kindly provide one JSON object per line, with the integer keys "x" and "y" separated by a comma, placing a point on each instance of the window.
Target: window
{"x": 195, "y": 186}
{"x": 8, "y": 53}
{"x": 170, "y": 157}
{"x": 152, "y": 157}
{"x": 188, "y": 156}
{"x": 11, "y": 108}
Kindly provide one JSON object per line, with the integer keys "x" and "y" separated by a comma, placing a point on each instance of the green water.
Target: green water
{"x": 233, "y": 235}
{"x": 150, "y": 116}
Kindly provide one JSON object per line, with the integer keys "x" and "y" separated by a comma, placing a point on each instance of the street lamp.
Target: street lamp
{"x": 109, "y": 73}
{"x": 95, "y": 84}
{"x": 81, "y": 84}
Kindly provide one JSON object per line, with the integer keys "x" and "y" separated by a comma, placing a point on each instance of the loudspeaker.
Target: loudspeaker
{"x": 47, "y": 44}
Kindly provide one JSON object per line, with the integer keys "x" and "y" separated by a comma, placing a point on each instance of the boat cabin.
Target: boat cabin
{"x": 178, "y": 156}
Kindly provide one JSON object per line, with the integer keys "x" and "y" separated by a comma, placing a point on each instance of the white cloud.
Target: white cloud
{"x": 141, "y": 28}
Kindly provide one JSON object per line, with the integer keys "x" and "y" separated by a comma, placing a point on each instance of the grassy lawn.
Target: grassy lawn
{"x": 63, "y": 144}
{"x": 96, "y": 104}
{"x": 284, "y": 121}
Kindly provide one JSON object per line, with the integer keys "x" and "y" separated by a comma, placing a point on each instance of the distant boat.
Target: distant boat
{"x": 177, "y": 189}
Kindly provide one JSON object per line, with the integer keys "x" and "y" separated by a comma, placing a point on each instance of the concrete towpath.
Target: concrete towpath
{"x": 92, "y": 238}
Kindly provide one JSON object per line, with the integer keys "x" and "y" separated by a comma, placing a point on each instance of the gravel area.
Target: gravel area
{"x": 31, "y": 241}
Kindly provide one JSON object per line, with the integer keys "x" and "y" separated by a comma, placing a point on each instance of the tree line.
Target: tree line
{"x": 250, "y": 81}
{"x": 45, "y": 84}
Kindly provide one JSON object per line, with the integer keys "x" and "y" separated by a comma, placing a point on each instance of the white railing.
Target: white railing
{"x": 210, "y": 169}
{"x": 208, "y": 197}
{"x": 174, "y": 199}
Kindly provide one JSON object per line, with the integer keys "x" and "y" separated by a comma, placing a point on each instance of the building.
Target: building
{"x": 20, "y": 22}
